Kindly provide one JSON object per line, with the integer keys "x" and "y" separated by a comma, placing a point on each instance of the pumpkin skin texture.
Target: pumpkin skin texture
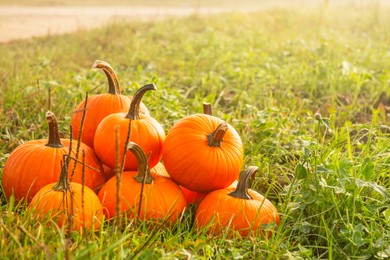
{"x": 56, "y": 201}
{"x": 159, "y": 169}
{"x": 159, "y": 199}
{"x": 193, "y": 163}
{"x": 48, "y": 202}
{"x": 219, "y": 211}
{"x": 161, "y": 196}
{"x": 145, "y": 131}
{"x": 108, "y": 172}
{"x": 192, "y": 197}
{"x": 35, "y": 164}
{"x": 99, "y": 106}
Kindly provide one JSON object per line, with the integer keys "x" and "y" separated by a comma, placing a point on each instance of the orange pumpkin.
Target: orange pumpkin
{"x": 203, "y": 153}
{"x": 159, "y": 169}
{"x": 57, "y": 201}
{"x": 144, "y": 130}
{"x": 100, "y": 106}
{"x": 108, "y": 172}
{"x": 37, "y": 163}
{"x": 161, "y": 197}
{"x": 192, "y": 197}
{"x": 240, "y": 210}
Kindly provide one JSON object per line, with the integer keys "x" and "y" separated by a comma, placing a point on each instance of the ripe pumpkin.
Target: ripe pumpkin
{"x": 108, "y": 172}
{"x": 37, "y": 163}
{"x": 161, "y": 197}
{"x": 144, "y": 130}
{"x": 203, "y": 153}
{"x": 192, "y": 197}
{"x": 101, "y": 105}
{"x": 159, "y": 169}
{"x": 60, "y": 200}
{"x": 238, "y": 209}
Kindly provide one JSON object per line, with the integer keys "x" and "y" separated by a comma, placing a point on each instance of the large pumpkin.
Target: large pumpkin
{"x": 101, "y": 105}
{"x": 239, "y": 210}
{"x": 203, "y": 153}
{"x": 59, "y": 201}
{"x": 162, "y": 198}
{"x": 37, "y": 163}
{"x": 133, "y": 126}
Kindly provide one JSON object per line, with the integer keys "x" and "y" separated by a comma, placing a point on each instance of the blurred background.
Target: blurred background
{"x": 23, "y": 19}
{"x": 256, "y": 3}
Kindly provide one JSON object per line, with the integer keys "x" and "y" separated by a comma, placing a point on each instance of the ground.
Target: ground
{"x": 25, "y": 22}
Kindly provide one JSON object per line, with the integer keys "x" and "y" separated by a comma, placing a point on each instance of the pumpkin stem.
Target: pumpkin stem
{"x": 241, "y": 191}
{"x": 54, "y": 136}
{"x": 63, "y": 183}
{"x": 216, "y": 137}
{"x": 143, "y": 175}
{"x": 133, "y": 113}
{"x": 113, "y": 83}
{"x": 207, "y": 109}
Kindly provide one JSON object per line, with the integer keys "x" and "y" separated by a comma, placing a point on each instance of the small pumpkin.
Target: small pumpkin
{"x": 37, "y": 163}
{"x": 101, "y": 105}
{"x": 57, "y": 201}
{"x": 239, "y": 210}
{"x": 142, "y": 129}
{"x": 161, "y": 197}
{"x": 203, "y": 153}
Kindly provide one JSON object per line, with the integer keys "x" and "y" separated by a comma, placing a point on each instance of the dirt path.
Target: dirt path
{"x": 26, "y": 22}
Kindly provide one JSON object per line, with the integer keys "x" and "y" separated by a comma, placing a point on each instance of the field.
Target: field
{"x": 307, "y": 90}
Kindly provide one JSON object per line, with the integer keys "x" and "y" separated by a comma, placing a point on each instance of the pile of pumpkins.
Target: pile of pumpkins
{"x": 111, "y": 167}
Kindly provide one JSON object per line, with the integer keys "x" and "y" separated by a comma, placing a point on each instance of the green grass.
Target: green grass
{"x": 267, "y": 74}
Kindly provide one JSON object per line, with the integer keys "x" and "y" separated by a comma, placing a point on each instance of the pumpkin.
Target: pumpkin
{"x": 37, "y": 163}
{"x": 58, "y": 201}
{"x": 142, "y": 129}
{"x": 101, "y": 105}
{"x": 192, "y": 197}
{"x": 203, "y": 153}
{"x": 238, "y": 210}
{"x": 161, "y": 197}
{"x": 159, "y": 169}
{"x": 108, "y": 172}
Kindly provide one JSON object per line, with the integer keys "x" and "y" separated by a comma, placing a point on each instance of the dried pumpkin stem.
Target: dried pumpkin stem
{"x": 143, "y": 175}
{"x": 54, "y": 136}
{"x": 133, "y": 113}
{"x": 241, "y": 191}
{"x": 113, "y": 83}
{"x": 63, "y": 183}
{"x": 216, "y": 138}
{"x": 207, "y": 109}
